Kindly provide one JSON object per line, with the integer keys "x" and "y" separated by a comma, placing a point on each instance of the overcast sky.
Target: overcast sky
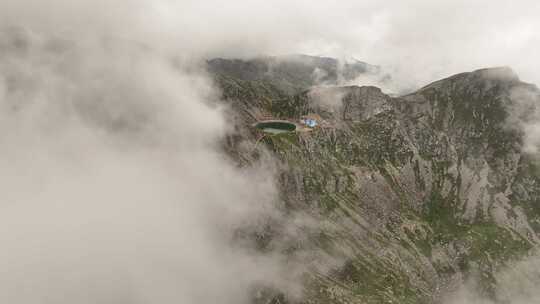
{"x": 418, "y": 39}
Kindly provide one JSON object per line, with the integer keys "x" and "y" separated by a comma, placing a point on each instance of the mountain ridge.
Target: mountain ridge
{"x": 293, "y": 72}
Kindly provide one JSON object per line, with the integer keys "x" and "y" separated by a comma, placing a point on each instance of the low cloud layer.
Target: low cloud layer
{"x": 517, "y": 284}
{"x": 113, "y": 188}
{"x": 417, "y": 41}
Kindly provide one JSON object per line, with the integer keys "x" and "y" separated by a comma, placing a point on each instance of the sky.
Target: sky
{"x": 109, "y": 151}
{"x": 418, "y": 41}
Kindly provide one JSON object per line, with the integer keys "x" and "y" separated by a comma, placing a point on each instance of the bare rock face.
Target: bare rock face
{"x": 350, "y": 103}
{"x": 412, "y": 194}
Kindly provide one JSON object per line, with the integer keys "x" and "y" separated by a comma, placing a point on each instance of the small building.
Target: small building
{"x": 310, "y": 120}
{"x": 312, "y": 123}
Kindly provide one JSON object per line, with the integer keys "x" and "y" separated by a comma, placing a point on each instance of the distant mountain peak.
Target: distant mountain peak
{"x": 292, "y": 73}
{"x": 493, "y": 75}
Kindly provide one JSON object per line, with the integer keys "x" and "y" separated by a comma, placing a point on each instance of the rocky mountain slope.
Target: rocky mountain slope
{"x": 412, "y": 195}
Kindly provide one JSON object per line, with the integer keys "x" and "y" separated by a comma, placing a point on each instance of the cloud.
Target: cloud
{"x": 525, "y": 116}
{"x": 114, "y": 189}
{"x": 516, "y": 284}
{"x": 416, "y": 41}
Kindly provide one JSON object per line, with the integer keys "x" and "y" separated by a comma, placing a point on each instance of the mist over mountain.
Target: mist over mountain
{"x": 418, "y": 197}
{"x": 176, "y": 152}
{"x": 294, "y": 73}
